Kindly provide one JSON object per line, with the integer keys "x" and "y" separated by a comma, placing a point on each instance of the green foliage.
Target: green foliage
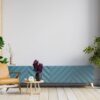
{"x": 89, "y": 49}
{"x": 1, "y": 42}
{"x": 97, "y": 40}
{"x": 2, "y": 59}
{"x": 95, "y": 51}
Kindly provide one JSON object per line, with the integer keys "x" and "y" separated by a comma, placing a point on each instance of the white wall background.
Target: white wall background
{"x": 53, "y": 31}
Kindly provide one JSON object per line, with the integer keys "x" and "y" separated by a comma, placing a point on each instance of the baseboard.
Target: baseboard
{"x": 59, "y": 84}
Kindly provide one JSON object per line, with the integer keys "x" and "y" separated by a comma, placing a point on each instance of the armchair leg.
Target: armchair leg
{"x": 7, "y": 89}
{"x": 19, "y": 88}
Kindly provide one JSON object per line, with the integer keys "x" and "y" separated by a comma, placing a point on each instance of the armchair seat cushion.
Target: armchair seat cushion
{"x": 9, "y": 81}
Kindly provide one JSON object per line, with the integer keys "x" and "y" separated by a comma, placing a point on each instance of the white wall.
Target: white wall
{"x": 53, "y": 31}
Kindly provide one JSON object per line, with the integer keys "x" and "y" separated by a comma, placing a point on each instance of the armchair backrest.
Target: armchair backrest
{"x": 4, "y": 72}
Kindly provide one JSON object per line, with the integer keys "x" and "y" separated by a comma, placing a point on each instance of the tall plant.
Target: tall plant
{"x": 2, "y": 59}
{"x": 94, "y": 50}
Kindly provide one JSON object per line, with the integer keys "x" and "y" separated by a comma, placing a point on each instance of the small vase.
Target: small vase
{"x": 38, "y": 76}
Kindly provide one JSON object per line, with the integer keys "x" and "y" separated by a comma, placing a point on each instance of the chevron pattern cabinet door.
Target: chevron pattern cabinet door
{"x": 71, "y": 74}
{"x": 25, "y": 71}
{"x": 58, "y": 74}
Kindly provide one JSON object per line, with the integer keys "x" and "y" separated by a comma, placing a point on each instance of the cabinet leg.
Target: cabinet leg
{"x": 30, "y": 88}
{"x": 35, "y": 87}
{"x": 39, "y": 89}
{"x": 27, "y": 87}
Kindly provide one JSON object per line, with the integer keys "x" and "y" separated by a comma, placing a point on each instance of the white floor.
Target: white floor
{"x": 76, "y": 93}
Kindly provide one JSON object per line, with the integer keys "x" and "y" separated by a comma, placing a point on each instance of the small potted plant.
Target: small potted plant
{"x": 38, "y": 67}
{"x": 3, "y": 60}
{"x": 94, "y": 58}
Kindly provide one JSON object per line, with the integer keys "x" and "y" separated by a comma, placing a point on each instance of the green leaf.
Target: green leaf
{"x": 1, "y": 57}
{"x": 1, "y": 42}
{"x": 88, "y": 50}
{"x": 97, "y": 39}
{"x": 95, "y": 50}
{"x": 4, "y": 61}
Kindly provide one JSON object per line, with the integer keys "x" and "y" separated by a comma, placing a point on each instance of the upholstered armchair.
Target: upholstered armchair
{"x": 5, "y": 78}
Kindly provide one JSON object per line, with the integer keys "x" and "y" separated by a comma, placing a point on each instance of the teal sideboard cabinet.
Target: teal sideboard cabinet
{"x": 59, "y": 75}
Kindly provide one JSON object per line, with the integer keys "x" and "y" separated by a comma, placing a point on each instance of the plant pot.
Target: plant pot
{"x": 97, "y": 76}
{"x": 38, "y": 76}
{"x": 4, "y": 72}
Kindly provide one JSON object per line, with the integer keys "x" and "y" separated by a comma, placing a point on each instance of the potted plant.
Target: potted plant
{"x": 3, "y": 60}
{"x": 38, "y": 67}
{"x": 94, "y": 58}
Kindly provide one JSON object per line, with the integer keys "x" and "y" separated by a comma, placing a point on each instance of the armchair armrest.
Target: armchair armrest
{"x": 16, "y": 73}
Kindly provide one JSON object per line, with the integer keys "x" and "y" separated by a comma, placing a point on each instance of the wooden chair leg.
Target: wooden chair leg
{"x": 19, "y": 88}
{"x": 7, "y": 89}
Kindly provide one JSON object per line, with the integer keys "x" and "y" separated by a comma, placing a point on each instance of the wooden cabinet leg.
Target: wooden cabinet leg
{"x": 27, "y": 87}
{"x": 30, "y": 88}
{"x": 35, "y": 86}
{"x": 39, "y": 89}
